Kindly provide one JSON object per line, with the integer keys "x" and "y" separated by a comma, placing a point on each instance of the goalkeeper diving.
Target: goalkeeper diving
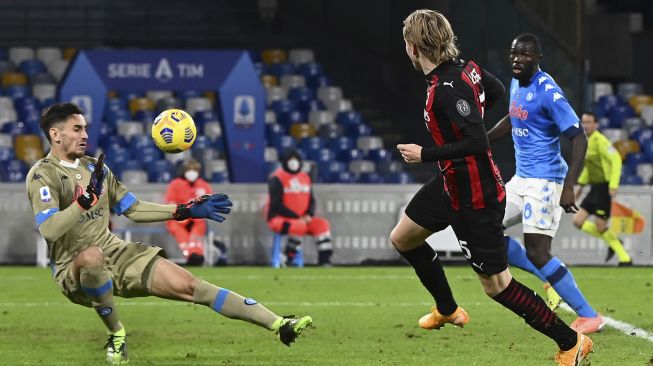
{"x": 72, "y": 196}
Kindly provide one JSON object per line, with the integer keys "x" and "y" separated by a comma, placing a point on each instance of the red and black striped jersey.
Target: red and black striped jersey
{"x": 456, "y": 101}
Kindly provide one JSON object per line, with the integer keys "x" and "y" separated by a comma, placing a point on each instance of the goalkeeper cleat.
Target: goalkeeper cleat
{"x": 435, "y": 320}
{"x": 289, "y": 328}
{"x": 553, "y": 300}
{"x": 578, "y": 353}
{"x": 587, "y": 325}
{"x": 117, "y": 348}
{"x": 610, "y": 253}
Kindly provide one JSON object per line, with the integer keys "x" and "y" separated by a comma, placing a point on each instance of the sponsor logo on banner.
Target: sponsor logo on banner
{"x": 85, "y": 102}
{"x": 244, "y": 110}
{"x": 162, "y": 70}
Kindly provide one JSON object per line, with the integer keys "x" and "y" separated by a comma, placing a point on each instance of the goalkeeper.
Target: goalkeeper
{"x": 72, "y": 196}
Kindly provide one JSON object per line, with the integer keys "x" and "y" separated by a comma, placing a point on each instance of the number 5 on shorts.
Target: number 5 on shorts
{"x": 463, "y": 247}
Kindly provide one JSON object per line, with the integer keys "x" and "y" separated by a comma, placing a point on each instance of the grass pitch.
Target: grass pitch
{"x": 363, "y": 316}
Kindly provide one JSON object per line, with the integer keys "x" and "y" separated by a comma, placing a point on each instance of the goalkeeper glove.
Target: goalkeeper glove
{"x": 205, "y": 207}
{"x": 89, "y": 198}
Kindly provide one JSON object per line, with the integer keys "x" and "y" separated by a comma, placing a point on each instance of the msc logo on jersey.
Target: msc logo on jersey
{"x": 45, "y": 194}
{"x": 91, "y": 215}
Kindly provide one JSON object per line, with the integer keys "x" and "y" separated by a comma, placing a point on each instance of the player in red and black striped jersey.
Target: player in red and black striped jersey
{"x": 472, "y": 198}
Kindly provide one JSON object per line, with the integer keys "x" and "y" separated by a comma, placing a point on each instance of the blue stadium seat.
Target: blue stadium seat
{"x": 321, "y": 156}
{"x": 341, "y": 143}
{"x": 618, "y": 114}
{"x": 310, "y": 69}
{"x": 311, "y": 143}
{"x": 349, "y": 118}
{"x": 358, "y": 130}
{"x": 370, "y": 178}
{"x": 14, "y": 171}
{"x": 114, "y": 117}
{"x": 386, "y": 167}
{"x": 203, "y": 117}
{"x": 149, "y": 154}
{"x": 379, "y": 155}
{"x": 345, "y": 177}
{"x": 634, "y": 159}
{"x": 328, "y": 172}
{"x": 219, "y": 177}
{"x": 261, "y": 68}
{"x": 203, "y": 142}
{"x": 398, "y": 178}
{"x": 631, "y": 180}
{"x": 116, "y": 142}
{"x": 647, "y": 149}
{"x": 32, "y": 66}
{"x": 282, "y": 106}
{"x": 311, "y": 105}
{"x": 347, "y": 156}
{"x": 273, "y": 132}
{"x": 282, "y": 68}
{"x": 316, "y": 82}
{"x": 330, "y": 131}
{"x": 7, "y": 154}
{"x": 160, "y": 171}
{"x": 128, "y": 95}
{"x": 287, "y": 119}
{"x": 132, "y": 164}
{"x": 15, "y": 128}
{"x": 17, "y": 91}
{"x": 285, "y": 142}
{"x": 137, "y": 142}
{"x": 27, "y": 103}
{"x": 144, "y": 116}
{"x": 642, "y": 135}
{"x": 185, "y": 94}
{"x": 301, "y": 94}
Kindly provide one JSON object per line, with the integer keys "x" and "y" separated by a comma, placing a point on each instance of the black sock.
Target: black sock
{"x": 429, "y": 270}
{"x": 527, "y": 304}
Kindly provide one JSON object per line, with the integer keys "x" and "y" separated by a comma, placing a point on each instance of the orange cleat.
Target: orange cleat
{"x": 574, "y": 356}
{"x": 588, "y": 325}
{"x": 435, "y": 320}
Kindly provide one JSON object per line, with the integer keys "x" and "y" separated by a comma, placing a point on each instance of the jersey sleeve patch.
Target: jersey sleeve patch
{"x": 463, "y": 107}
{"x": 124, "y": 204}
{"x": 44, "y": 192}
{"x": 44, "y": 215}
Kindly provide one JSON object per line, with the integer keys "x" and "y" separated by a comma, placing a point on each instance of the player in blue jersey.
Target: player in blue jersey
{"x": 538, "y": 114}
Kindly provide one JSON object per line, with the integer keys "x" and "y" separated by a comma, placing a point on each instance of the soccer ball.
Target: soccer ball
{"x": 173, "y": 131}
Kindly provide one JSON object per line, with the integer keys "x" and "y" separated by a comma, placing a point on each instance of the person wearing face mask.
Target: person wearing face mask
{"x": 292, "y": 209}
{"x": 189, "y": 233}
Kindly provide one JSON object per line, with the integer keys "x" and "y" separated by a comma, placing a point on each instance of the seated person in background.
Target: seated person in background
{"x": 292, "y": 209}
{"x": 189, "y": 233}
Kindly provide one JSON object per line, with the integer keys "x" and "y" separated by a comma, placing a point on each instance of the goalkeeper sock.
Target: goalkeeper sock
{"x": 232, "y": 305}
{"x": 429, "y": 269}
{"x": 517, "y": 257}
{"x": 531, "y": 307}
{"x": 96, "y": 283}
{"x": 616, "y": 245}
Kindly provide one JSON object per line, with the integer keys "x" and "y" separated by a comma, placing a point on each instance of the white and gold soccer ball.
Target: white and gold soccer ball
{"x": 173, "y": 131}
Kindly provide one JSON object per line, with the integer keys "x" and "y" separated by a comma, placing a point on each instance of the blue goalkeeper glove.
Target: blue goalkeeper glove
{"x": 205, "y": 207}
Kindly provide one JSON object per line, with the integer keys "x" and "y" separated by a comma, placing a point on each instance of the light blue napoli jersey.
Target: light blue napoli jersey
{"x": 539, "y": 113}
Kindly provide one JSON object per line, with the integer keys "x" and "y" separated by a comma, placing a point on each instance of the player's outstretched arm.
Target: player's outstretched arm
{"x": 205, "y": 207}
{"x": 500, "y": 130}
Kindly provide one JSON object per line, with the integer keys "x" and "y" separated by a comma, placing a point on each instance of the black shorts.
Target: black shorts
{"x": 598, "y": 202}
{"x": 479, "y": 232}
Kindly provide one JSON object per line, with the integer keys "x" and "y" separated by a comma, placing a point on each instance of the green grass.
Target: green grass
{"x": 363, "y": 316}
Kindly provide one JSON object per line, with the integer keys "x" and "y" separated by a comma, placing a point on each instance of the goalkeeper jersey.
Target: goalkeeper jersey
{"x": 602, "y": 162}
{"x": 51, "y": 185}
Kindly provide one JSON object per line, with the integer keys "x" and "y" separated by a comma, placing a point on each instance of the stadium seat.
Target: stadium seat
{"x": 13, "y": 78}
{"x": 269, "y": 80}
{"x": 311, "y": 143}
{"x": 601, "y": 89}
{"x": 42, "y": 78}
{"x": 615, "y": 134}
{"x": 275, "y": 93}
{"x": 29, "y": 148}
{"x": 6, "y": 103}
{"x": 160, "y": 171}
{"x": 260, "y": 68}
{"x": 348, "y": 156}
{"x": 138, "y": 142}
{"x": 270, "y": 117}
{"x": 196, "y": 104}
{"x": 215, "y": 165}
{"x": 639, "y": 101}
{"x": 281, "y": 69}
{"x": 14, "y": 171}
{"x": 213, "y": 130}
{"x": 69, "y": 53}
{"x": 18, "y": 54}
{"x": 361, "y": 166}
{"x": 146, "y": 117}
{"x": 49, "y": 54}
{"x": 632, "y": 124}
{"x": 203, "y": 117}
{"x": 270, "y": 154}
{"x": 282, "y": 106}
{"x": 7, "y": 153}
{"x": 619, "y": 113}
{"x": 359, "y": 130}
{"x": 273, "y": 56}
{"x": 366, "y": 143}
{"x": 15, "y": 128}
{"x": 633, "y": 180}
{"x": 342, "y": 105}
{"x": 132, "y": 177}
{"x": 341, "y": 143}
{"x": 627, "y": 90}
{"x": 7, "y": 116}
{"x": 284, "y": 143}
{"x": 329, "y": 93}
{"x": 183, "y": 95}
{"x": 133, "y": 164}
{"x": 167, "y": 103}
{"x": 287, "y": 119}
{"x": 349, "y": 118}
{"x": 378, "y": 155}
{"x": 300, "y": 56}
{"x": 642, "y": 135}
{"x": 328, "y": 171}
{"x": 130, "y": 128}
{"x": 310, "y": 69}
{"x": 17, "y": 91}
{"x": 156, "y": 95}
{"x": 140, "y": 104}
{"x": 113, "y": 142}
{"x": 319, "y": 118}
{"x": 634, "y": 159}
{"x": 645, "y": 171}
{"x": 345, "y": 177}
{"x": 370, "y": 178}
{"x": 178, "y": 158}
{"x": 44, "y": 91}
{"x": 6, "y": 140}
{"x": 321, "y": 156}
{"x": 114, "y": 117}
{"x": 290, "y": 81}
{"x": 647, "y": 114}
{"x": 386, "y": 167}
{"x": 330, "y": 131}
{"x": 6, "y": 66}
{"x": 301, "y": 130}
{"x": 219, "y": 177}
{"x": 301, "y": 94}
{"x": 398, "y": 178}
{"x": 58, "y": 69}
{"x": 317, "y": 82}
{"x": 308, "y": 106}
{"x": 31, "y": 66}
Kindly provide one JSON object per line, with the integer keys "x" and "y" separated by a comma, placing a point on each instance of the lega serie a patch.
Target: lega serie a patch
{"x": 45, "y": 194}
{"x": 250, "y": 301}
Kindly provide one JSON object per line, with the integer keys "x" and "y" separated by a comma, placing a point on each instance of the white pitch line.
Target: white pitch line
{"x": 625, "y": 328}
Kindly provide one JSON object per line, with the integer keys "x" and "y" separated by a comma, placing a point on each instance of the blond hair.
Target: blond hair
{"x": 431, "y": 32}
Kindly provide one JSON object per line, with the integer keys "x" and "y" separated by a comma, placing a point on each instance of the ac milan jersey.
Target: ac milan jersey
{"x": 456, "y": 99}
{"x": 539, "y": 112}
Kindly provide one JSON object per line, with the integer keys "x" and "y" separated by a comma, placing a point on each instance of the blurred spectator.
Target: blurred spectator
{"x": 190, "y": 234}
{"x": 292, "y": 209}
